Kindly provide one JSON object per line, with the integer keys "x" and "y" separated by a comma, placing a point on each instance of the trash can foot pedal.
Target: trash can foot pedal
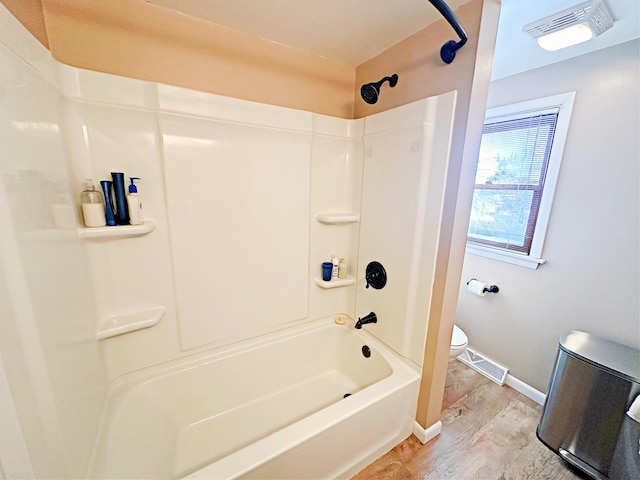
{"x": 579, "y": 464}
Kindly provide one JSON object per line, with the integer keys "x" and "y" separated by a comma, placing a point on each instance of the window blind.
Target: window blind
{"x": 512, "y": 165}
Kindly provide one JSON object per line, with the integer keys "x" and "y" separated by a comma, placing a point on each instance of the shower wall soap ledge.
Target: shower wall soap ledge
{"x": 129, "y": 322}
{"x": 341, "y": 282}
{"x": 338, "y": 218}
{"x": 148, "y": 226}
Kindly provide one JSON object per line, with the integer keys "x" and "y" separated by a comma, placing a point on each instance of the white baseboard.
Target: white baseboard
{"x": 429, "y": 434}
{"x": 525, "y": 389}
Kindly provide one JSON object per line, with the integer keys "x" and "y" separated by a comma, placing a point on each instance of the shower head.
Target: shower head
{"x": 370, "y": 91}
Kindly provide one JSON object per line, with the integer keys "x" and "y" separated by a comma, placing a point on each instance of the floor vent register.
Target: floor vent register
{"x": 487, "y": 367}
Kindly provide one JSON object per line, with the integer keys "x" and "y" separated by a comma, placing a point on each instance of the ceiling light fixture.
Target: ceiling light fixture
{"x": 571, "y": 26}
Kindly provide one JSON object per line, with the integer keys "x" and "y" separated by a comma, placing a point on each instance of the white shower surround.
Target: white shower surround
{"x": 245, "y": 258}
{"x": 242, "y": 185}
{"x": 234, "y": 187}
{"x": 109, "y": 123}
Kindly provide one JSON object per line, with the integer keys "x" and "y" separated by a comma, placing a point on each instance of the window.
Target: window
{"x": 518, "y": 165}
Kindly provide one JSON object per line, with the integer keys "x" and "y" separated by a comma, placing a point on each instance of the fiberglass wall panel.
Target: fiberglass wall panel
{"x": 238, "y": 205}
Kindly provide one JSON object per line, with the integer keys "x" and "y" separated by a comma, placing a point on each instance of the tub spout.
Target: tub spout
{"x": 371, "y": 318}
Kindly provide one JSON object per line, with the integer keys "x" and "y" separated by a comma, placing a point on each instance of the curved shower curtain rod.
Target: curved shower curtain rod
{"x": 371, "y": 91}
{"x": 448, "y": 50}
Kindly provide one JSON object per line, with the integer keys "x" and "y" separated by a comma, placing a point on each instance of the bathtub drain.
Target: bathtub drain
{"x": 366, "y": 351}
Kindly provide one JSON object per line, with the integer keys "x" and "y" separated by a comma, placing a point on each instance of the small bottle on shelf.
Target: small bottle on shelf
{"x": 342, "y": 268}
{"x": 134, "y": 203}
{"x": 334, "y": 270}
{"x": 92, "y": 203}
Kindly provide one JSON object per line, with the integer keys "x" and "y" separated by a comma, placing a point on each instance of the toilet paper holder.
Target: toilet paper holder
{"x": 489, "y": 289}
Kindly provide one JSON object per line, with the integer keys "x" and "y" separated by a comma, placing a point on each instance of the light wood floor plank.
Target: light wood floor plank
{"x": 488, "y": 432}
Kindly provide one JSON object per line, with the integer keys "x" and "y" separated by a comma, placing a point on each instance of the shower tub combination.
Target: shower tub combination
{"x": 321, "y": 400}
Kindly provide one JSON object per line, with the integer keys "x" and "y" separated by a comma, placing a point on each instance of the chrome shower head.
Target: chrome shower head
{"x": 370, "y": 91}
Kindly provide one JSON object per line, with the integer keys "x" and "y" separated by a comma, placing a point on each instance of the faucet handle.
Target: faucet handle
{"x": 376, "y": 275}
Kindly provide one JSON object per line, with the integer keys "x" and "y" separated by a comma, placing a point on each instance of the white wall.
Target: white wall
{"x": 406, "y": 159}
{"x": 53, "y": 366}
{"x": 591, "y": 279}
{"x": 234, "y": 187}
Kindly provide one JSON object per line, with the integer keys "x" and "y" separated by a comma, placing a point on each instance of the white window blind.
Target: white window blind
{"x": 512, "y": 167}
{"x": 518, "y": 166}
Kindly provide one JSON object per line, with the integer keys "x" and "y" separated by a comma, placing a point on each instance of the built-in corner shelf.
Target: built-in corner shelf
{"x": 129, "y": 322}
{"x": 339, "y": 282}
{"x": 119, "y": 231}
{"x": 338, "y": 218}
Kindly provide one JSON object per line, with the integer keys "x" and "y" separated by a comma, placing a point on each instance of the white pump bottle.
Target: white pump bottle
{"x": 134, "y": 203}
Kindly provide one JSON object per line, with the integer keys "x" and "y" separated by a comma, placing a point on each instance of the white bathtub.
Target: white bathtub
{"x": 272, "y": 407}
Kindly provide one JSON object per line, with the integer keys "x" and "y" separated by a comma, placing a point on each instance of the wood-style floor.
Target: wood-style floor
{"x": 488, "y": 432}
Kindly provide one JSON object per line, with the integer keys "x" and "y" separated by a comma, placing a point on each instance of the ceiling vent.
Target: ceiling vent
{"x": 571, "y": 26}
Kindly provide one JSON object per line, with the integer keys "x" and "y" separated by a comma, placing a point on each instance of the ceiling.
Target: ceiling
{"x": 353, "y": 31}
{"x": 349, "y": 31}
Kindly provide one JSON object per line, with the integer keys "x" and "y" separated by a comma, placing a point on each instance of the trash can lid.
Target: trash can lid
{"x": 618, "y": 359}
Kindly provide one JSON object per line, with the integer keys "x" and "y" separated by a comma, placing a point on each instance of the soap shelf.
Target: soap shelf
{"x": 340, "y": 282}
{"x": 148, "y": 226}
{"x": 338, "y": 218}
{"x": 129, "y": 322}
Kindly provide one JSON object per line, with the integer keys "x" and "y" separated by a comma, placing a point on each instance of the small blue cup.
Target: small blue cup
{"x": 326, "y": 271}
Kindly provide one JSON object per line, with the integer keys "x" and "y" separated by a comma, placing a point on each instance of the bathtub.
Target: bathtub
{"x": 301, "y": 403}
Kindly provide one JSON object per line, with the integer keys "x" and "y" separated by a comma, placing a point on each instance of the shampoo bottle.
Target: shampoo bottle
{"x": 342, "y": 268}
{"x": 120, "y": 199}
{"x": 109, "y": 211}
{"x": 134, "y": 203}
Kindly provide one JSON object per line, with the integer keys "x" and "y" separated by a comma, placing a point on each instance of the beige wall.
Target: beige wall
{"x": 136, "y": 39}
{"x": 421, "y": 72}
{"x": 30, "y": 14}
{"x": 139, "y": 40}
{"x": 591, "y": 279}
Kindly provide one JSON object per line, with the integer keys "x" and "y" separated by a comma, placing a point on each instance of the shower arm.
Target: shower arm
{"x": 448, "y": 50}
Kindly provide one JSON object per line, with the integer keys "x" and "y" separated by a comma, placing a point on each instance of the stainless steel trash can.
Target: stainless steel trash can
{"x": 584, "y": 419}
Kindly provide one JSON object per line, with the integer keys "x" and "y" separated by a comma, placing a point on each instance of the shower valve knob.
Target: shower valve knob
{"x": 376, "y": 275}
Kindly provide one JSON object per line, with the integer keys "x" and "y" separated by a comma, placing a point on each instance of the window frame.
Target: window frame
{"x": 564, "y": 103}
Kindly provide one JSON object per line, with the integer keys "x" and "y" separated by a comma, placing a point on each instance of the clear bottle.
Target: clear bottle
{"x": 92, "y": 203}
{"x": 342, "y": 268}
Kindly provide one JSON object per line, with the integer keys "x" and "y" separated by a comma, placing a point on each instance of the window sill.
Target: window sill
{"x": 508, "y": 257}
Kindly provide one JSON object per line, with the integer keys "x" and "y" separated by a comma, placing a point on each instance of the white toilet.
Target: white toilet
{"x": 459, "y": 342}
